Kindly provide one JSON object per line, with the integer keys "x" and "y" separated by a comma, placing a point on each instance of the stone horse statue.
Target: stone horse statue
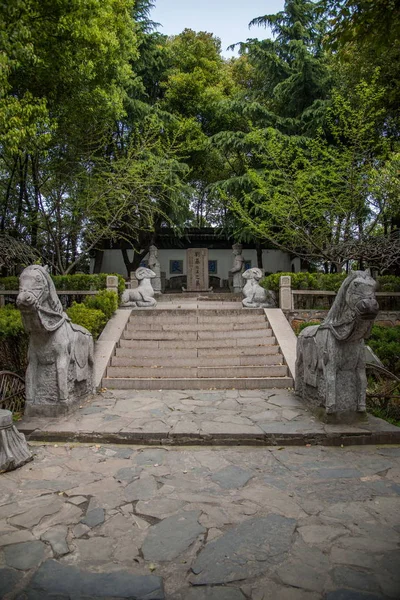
{"x": 143, "y": 295}
{"x": 255, "y": 296}
{"x": 60, "y": 355}
{"x": 330, "y": 363}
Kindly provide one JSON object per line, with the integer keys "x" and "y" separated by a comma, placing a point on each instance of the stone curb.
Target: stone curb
{"x": 218, "y": 439}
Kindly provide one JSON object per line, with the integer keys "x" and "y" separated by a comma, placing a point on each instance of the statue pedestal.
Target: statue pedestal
{"x": 14, "y": 451}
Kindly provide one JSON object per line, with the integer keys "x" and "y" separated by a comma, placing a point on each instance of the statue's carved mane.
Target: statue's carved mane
{"x": 53, "y": 299}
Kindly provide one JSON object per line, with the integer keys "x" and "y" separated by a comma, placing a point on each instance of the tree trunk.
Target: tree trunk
{"x": 132, "y": 265}
{"x": 259, "y": 255}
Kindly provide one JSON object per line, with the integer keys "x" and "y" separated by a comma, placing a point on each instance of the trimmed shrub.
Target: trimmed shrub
{"x": 326, "y": 282}
{"x": 385, "y": 342}
{"x": 106, "y": 301}
{"x": 13, "y": 341}
{"x": 92, "y": 319}
{"x": 78, "y": 282}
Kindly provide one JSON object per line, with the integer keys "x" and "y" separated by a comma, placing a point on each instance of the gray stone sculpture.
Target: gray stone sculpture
{"x": 330, "y": 364}
{"x": 256, "y": 296}
{"x": 143, "y": 295}
{"x": 60, "y": 356}
{"x": 14, "y": 451}
{"x": 237, "y": 269}
{"x": 154, "y": 265}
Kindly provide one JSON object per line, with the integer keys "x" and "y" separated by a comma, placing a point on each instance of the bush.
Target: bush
{"x": 13, "y": 341}
{"x": 76, "y": 282}
{"x": 92, "y": 319}
{"x": 385, "y": 342}
{"x": 327, "y": 282}
{"x": 106, "y": 301}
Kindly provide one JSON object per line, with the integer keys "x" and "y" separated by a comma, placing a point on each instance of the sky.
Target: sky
{"x": 227, "y": 19}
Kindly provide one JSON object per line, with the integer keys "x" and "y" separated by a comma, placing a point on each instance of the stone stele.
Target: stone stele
{"x": 197, "y": 269}
{"x": 14, "y": 451}
{"x": 143, "y": 295}
{"x": 330, "y": 363}
{"x": 256, "y": 296}
{"x": 60, "y": 356}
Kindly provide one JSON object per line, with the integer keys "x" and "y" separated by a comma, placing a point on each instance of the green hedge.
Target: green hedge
{"x": 106, "y": 301}
{"x": 385, "y": 342}
{"x": 13, "y": 341}
{"x": 326, "y": 282}
{"x": 92, "y": 319}
{"x": 77, "y": 282}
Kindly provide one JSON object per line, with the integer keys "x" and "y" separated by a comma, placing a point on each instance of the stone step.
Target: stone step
{"x": 191, "y": 372}
{"x": 218, "y": 353}
{"x": 198, "y": 383}
{"x": 197, "y": 317}
{"x": 267, "y": 340}
{"x": 255, "y": 334}
{"x": 196, "y": 361}
{"x": 190, "y": 326}
{"x": 206, "y": 312}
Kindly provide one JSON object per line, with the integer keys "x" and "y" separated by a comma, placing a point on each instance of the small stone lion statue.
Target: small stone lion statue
{"x": 256, "y": 296}
{"x": 143, "y": 295}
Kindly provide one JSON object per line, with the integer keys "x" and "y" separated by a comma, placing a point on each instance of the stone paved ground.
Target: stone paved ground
{"x": 303, "y": 523}
{"x": 174, "y": 417}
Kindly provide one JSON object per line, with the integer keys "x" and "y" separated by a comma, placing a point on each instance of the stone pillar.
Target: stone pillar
{"x": 133, "y": 283}
{"x": 285, "y": 293}
{"x": 112, "y": 283}
{"x": 14, "y": 451}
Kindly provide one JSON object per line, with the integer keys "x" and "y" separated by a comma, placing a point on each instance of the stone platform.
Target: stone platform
{"x": 114, "y": 522}
{"x": 224, "y": 417}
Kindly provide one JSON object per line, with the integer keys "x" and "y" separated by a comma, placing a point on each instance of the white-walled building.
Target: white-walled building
{"x": 173, "y": 260}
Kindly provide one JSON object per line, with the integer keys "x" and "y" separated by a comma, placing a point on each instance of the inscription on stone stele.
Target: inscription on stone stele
{"x": 197, "y": 269}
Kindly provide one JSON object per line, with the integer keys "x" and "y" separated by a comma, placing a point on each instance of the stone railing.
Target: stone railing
{"x": 288, "y": 297}
{"x": 112, "y": 284}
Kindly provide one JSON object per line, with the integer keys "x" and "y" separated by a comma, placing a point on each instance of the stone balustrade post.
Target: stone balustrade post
{"x": 285, "y": 293}
{"x": 112, "y": 283}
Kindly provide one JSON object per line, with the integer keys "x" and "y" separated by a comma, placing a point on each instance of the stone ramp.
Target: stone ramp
{"x": 220, "y": 348}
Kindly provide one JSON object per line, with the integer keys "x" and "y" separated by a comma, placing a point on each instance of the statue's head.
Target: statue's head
{"x": 144, "y": 273}
{"x": 237, "y": 249}
{"x": 253, "y": 273}
{"x": 153, "y": 250}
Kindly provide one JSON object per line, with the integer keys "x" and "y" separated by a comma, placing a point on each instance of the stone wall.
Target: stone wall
{"x": 296, "y": 317}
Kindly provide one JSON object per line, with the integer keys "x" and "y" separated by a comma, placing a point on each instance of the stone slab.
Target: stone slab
{"x": 246, "y": 550}
{"x": 105, "y": 345}
{"x": 284, "y": 335}
{"x": 169, "y": 538}
{"x": 54, "y": 579}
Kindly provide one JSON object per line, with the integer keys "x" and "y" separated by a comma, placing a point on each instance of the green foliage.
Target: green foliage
{"x": 305, "y": 324}
{"x": 78, "y": 282}
{"x": 106, "y": 301}
{"x": 329, "y": 282}
{"x": 385, "y": 342}
{"x": 9, "y": 283}
{"x": 306, "y": 281}
{"x": 10, "y": 322}
{"x": 92, "y": 319}
{"x": 13, "y": 341}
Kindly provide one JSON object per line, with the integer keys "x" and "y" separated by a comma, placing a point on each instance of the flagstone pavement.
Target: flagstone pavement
{"x": 201, "y": 523}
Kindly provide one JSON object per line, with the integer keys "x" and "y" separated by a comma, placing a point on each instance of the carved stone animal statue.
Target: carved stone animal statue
{"x": 60, "y": 355}
{"x": 143, "y": 295}
{"x": 330, "y": 363}
{"x": 256, "y": 296}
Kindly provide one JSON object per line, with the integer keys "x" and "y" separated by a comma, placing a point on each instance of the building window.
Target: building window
{"x": 176, "y": 267}
{"x": 247, "y": 264}
{"x": 212, "y": 267}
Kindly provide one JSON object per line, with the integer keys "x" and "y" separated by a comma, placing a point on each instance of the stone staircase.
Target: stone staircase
{"x": 197, "y": 349}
